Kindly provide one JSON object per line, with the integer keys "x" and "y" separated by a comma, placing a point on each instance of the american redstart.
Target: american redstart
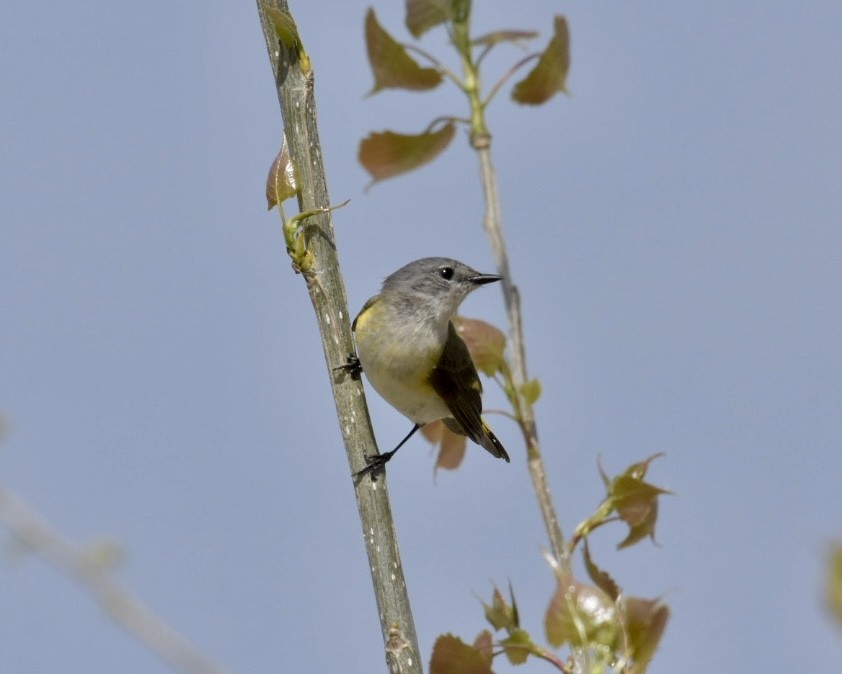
{"x": 413, "y": 357}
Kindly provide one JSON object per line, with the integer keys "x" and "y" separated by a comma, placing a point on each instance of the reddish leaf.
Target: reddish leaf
{"x": 453, "y": 656}
{"x": 485, "y": 343}
{"x": 421, "y": 15}
{"x": 646, "y": 528}
{"x": 499, "y": 36}
{"x": 634, "y": 499}
{"x": 392, "y": 66}
{"x": 387, "y": 154}
{"x": 281, "y": 183}
{"x": 452, "y": 449}
{"x": 484, "y": 643}
{"x": 550, "y": 73}
{"x": 580, "y": 615}
{"x": 645, "y": 621}
{"x": 452, "y": 446}
{"x": 432, "y": 431}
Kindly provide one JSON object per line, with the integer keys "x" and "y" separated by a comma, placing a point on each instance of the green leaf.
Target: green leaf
{"x": 531, "y": 391}
{"x": 602, "y": 579}
{"x": 581, "y": 615}
{"x": 517, "y": 645}
{"x": 549, "y": 76}
{"x": 392, "y": 66}
{"x": 645, "y": 622}
{"x": 485, "y": 343}
{"x": 453, "y": 656}
{"x": 499, "y": 36}
{"x": 388, "y": 154}
{"x": 644, "y": 529}
{"x": 281, "y": 183}
{"x": 638, "y": 470}
{"x": 635, "y": 501}
{"x": 501, "y": 615}
{"x": 421, "y": 15}
{"x": 461, "y": 10}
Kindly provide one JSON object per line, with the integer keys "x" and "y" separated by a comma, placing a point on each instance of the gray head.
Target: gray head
{"x": 435, "y": 283}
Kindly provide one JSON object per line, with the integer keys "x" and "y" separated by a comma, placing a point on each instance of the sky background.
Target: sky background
{"x": 674, "y": 228}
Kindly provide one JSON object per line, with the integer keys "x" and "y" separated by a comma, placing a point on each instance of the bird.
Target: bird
{"x": 411, "y": 354}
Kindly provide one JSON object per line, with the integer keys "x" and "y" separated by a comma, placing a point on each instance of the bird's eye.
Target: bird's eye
{"x": 446, "y": 273}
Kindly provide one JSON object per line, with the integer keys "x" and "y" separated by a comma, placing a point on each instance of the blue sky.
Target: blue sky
{"x": 674, "y": 227}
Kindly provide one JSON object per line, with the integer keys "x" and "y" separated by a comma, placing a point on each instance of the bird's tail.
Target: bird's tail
{"x": 490, "y": 442}
{"x": 484, "y": 437}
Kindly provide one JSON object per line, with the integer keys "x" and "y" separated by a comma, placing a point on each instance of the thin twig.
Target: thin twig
{"x": 494, "y": 229}
{"x": 36, "y": 534}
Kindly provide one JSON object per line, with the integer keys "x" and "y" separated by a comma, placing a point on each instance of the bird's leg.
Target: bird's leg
{"x": 351, "y": 366}
{"x": 376, "y": 462}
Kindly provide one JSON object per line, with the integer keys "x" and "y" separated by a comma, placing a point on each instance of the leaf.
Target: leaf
{"x": 452, "y": 448}
{"x": 638, "y": 470}
{"x": 635, "y": 501}
{"x": 645, "y": 621}
{"x": 421, "y": 15}
{"x": 499, "y": 36}
{"x": 453, "y": 656}
{"x": 580, "y": 615}
{"x": 484, "y": 643}
{"x": 485, "y": 343}
{"x": 645, "y": 528}
{"x": 550, "y": 73}
{"x": 281, "y": 183}
{"x": 501, "y": 615}
{"x": 517, "y": 645}
{"x": 388, "y": 154}
{"x": 602, "y": 579}
{"x": 531, "y": 391}
{"x": 392, "y": 66}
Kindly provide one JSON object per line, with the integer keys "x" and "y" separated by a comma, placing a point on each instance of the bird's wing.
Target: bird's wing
{"x": 366, "y": 306}
{"x": 455, "y": 379}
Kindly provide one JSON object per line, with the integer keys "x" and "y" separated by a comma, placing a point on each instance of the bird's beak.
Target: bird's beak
{"x": 482, "y": 279}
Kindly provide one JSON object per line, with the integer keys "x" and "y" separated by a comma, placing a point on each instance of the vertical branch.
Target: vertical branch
{"x": 493, "y": 223}
{"x": 294, "y": 81}
{"x": 525, "y": 413}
